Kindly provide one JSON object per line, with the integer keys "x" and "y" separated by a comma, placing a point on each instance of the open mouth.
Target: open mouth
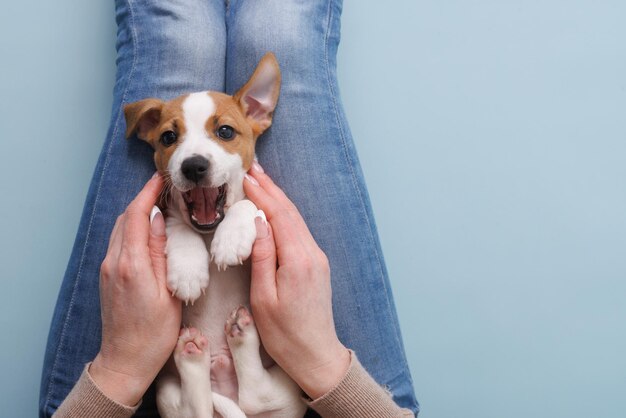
{"x": 205, "y": 206}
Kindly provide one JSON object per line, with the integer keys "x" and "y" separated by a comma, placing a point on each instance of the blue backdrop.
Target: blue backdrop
{"x": 493, "y": 138}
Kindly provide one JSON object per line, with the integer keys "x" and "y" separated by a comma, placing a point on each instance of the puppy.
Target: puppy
{"x": 204, "y": 144}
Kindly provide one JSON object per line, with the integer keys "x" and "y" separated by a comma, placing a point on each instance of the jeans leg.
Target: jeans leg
{"x": 165, "y": 48}
{"x": 310, "y": 153}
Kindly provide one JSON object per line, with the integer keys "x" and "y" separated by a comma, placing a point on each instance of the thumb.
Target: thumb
{"x": 157, "y": 243}
{"x": 263, "y": 283}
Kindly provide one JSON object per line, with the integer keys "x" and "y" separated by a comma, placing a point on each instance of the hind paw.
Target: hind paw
{"x": 191, "y": 346}
{"x": 239, "y": 325}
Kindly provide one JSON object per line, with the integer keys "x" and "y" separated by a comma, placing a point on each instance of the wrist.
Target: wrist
{"x": 326, "y": 374}
{"x": 117, "y": 385}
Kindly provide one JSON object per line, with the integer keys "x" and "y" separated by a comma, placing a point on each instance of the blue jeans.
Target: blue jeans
{"x": 166, "y": 48}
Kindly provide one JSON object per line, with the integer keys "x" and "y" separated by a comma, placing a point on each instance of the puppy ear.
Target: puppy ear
{"x": 142, "y": 117}
{"x": 259, "y": 96}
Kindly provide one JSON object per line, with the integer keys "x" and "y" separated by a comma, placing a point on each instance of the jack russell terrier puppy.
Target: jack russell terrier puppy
{"x": 204, "y": 144}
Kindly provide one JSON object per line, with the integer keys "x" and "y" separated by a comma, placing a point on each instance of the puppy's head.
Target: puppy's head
{"x": 204, "y": 142}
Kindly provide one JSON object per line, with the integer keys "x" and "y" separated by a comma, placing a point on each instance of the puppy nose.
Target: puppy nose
{"x": 195, "y": 168}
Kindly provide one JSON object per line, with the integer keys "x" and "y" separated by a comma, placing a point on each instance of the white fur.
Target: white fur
{"x": 187, "y": 259}
{"x": 184, "y": 387}
{"x": 257, "y": 385}
{"x": 224, "y": 167}
{"x": 234, "y": 237}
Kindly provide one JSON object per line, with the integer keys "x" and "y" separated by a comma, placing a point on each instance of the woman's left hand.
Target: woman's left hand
{"x": 291, "y": 293}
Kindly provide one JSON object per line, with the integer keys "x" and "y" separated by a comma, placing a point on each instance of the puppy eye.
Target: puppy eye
{"x": 226, "y": 132}
{"x": 168, "y": 138}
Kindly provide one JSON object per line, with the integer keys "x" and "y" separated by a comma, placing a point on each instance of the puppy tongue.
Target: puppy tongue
{"x": 204, "y": 210}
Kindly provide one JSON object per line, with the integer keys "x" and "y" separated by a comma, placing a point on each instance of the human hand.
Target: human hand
{"x": 292, "y": 303}
{"x": 140, "y": 318}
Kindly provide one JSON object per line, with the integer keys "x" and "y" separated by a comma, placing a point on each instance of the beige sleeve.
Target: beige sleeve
{"x": 358, "y": 395}
{"x": 86, "y": 400}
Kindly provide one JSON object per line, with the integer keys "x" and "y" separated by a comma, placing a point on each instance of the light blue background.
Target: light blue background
{"x": 493, "y": 139}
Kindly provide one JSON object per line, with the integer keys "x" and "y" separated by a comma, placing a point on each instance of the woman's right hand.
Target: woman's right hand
{"x": 140, "y": 318}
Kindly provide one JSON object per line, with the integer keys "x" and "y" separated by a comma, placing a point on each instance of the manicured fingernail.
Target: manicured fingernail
{"x": 261, "y": 214}
{"x": 262, "y": 228}
{"x": 157, "y": 223}
{"x": 251, "y": 179}
{"x": 155, "y": 175}
{"x": 257, "y": 167}
{"x": 153, "y": 212}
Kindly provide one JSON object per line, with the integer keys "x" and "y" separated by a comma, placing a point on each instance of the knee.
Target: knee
{"x": 296, "y": 32}
{"x": 180, "y": 48}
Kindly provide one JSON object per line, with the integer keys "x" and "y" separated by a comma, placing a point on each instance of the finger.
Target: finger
{"x": 116, "y": 234}
{"x": 260, "y": 196}
{"x": 271, "y": 188}
{"x": 137, "y": 229}
{"x": 289, "y": 227}
{"x": 157, "y": 242}
{"x": 267, "y": 184}
{"x": 287, "y": 240}
{"x": 147, "y": 197}
{"x": 263, "y": 270}
{"x": 275, "y": 205}
{"x": 113, "y": 251}
{"x": 285, "y": 230}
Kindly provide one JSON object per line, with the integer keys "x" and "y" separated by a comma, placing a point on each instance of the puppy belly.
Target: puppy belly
{"x": 227, "y": 290}
{"x": 223, "y": 376}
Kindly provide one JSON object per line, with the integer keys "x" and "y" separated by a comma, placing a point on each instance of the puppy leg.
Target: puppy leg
{"x": 260, "y": 389}
{"x": 187, "y": 261}
{"x": 168, "y": 391}
{"x": 235, "y": 236}
{"x": 193, "y": 361}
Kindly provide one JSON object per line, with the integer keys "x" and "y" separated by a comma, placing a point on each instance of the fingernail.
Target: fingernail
{"x": 261, "y": 214}
{"x": 155, "y": 175}
{"x": 262, "y": 228}
{"x": 157, "y": 223}
{"x": 251, "y": 179}
{"x": 153, "y": 212}
{"x": 257, "y": 167}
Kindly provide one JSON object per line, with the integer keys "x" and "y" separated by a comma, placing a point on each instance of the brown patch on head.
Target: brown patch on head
{"x": 249, "y": 112}
{"x": 142, "y": 116}
{"x": 259, "y": 96}
{"x": 150, "y": 118}
{"x": 228, "y": 112}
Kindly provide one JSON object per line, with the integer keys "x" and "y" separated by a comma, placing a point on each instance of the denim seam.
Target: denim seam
{"x": 104, "y": 169}
{"x": 347, "y": 155}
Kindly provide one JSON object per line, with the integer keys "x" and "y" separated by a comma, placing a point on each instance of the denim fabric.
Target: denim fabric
{"x": 166, "y": 48}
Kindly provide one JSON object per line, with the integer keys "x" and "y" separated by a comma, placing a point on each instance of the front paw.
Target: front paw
{"x": 232, "y": 243}
{"x": 187, "y": 277}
